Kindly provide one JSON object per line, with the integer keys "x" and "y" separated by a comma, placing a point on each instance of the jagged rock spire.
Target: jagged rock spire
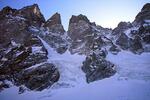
{"x": 33, "y": 14}
{"x": 55, "y": 19}
{"x": 143, "y": 15}
{"x": 54, "y": 24}
{"x": 76, "y": 19}
{"x": 7, "y": 10}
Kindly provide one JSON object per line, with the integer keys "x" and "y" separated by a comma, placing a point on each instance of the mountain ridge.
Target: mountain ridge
{"x": 21, "y": 45}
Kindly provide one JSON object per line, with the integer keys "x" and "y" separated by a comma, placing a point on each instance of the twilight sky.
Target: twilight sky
{"x": 107, "y": 13}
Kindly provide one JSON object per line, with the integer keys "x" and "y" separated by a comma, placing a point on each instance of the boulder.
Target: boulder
{"x": 114, "y": 49}
{"x": 146, "y": 39}
{"x": 97, "y": 68}
{"x": 122, "y": 26}
{"x": 38, "y": 78}
{"x": 136, "y": 45}
{"x": 123, "y": 41}
{"x": 4, "y": 85}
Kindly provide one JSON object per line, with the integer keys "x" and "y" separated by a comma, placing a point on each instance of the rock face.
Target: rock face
{"x": 38, "y": 78}
{"x": 89, "y": 39}
{"x": 20, "y": 50}
{"x": 142, "y": 34}
{"x": 33, "y": 14}
{"x": 143, "y": 15}
{"x": 96, "y": 67}
{"x": 123, "y": 41}
{"x": 136, "y": 45}
{"x": 84, "y": 35}
{"x": 134, "y": 36}
{"x": 54, "y": 24}
{"x": 79, "y": 29}
{"x": 54, "y": 34}
{"x": 122, "y": 26}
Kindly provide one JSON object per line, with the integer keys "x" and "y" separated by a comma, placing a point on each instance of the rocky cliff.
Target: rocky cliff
{"x": 20, "y": 50}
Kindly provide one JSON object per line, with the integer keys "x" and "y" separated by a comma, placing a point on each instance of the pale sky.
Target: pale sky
{"x": 107, "y": 13}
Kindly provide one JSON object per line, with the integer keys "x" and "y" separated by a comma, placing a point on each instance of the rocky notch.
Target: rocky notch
{"x": 53, "y": 33}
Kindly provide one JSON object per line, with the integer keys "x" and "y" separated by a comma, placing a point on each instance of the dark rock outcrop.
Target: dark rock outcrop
{"x": 136, "y": 45}
{"x": 80, "y": 33}
{"x": 143, "y": 32}
{"x": 54, "y": 34}
{"x": 143, "y": 15}
{"x": 6, "y": 11}
{"x": 123, "y": 41}
{"x": 20, "y": 49}
{"x": 38, "y": 78}
{"x": 13, "y": 28}
{"x": 122, "y": 26}
{"x": 97, "y": 68}
{"x": 114, "y": 49}
{"x": 141, "y": 36}
{"x": 135, "y": 36}
{"x": 91, "y": 40}
{"x": 84, "y": 35}
{"x": 79, "y": 26}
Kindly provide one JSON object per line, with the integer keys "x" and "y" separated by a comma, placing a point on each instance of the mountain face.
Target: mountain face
{"x": 84, "y": 35}
{"x": 143, "y": 15}
{"x": 20, "y": 50}
{"x": 54, "y": 33}
{"x": 32, "y": 13}
{"x": 24, "y": 58}
{"x": 89, "y": 39}
{"x": 134, "y": 36}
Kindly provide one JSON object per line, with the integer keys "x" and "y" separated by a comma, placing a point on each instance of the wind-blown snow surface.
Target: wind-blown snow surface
{"x": 132, "y": 82}
{"x": 132, "y": 66}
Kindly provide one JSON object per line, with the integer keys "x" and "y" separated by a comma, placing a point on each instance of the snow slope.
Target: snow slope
{"x": 68, "y": 65}
{"x": 132, "y": 66}
{"x": 132, "y": 82}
